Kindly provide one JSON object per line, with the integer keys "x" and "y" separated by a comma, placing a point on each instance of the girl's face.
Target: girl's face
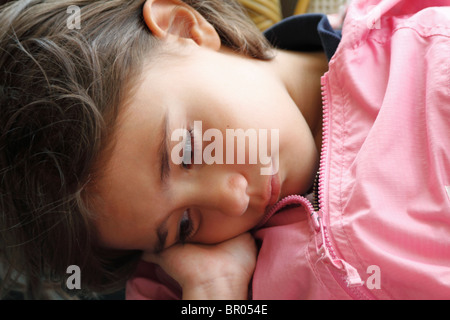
{"x": 150, "y": 202}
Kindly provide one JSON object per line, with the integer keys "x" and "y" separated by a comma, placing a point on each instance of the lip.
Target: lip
{"x": 274, "y": 190}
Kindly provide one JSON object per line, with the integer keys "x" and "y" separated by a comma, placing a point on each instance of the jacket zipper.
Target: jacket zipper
{"x": 346, "y": 275}
{"x": 286, "y": 201}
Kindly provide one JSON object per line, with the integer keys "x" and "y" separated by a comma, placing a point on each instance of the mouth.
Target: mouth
{"x": 273, "y": 190}
{"x": 273, "y": 195}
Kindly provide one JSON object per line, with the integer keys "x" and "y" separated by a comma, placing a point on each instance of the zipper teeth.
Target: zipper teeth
{"x": 315, "y": 189}
{"x": 356, "y": 292}
{"x": 319, "y": 202}
{"x": 325, "y": 137}
{"x": 322, "y": 169}
{"x": 288, "y": 200}
{"x": 323, "y": 161}
{"x": 328, "y": 243}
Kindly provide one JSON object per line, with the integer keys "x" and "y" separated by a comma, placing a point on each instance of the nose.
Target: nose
{"x": 220, "y": 191}
{"x": 232, "y": 198}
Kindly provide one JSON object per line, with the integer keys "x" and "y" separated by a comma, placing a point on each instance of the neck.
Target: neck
{"x": 301, "y": 73}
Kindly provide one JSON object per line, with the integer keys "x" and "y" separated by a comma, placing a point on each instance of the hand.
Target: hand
{"x": 220, "y": 271}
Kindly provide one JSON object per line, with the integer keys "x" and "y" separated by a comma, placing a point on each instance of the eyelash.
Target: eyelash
{"x": 188, "y": 150}
{"x": 185, "y": 228}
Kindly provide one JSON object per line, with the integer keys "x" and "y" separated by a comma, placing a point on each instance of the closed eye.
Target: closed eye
{"x": 188, "y": 151}
{"x": 185, "y": 227}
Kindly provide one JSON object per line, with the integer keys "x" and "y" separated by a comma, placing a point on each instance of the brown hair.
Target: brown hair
{"x": 60, "y": 94}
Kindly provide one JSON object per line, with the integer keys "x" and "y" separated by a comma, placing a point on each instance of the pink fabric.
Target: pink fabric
{"x": 385, "y": 167}
{"x": 389, "y": 147}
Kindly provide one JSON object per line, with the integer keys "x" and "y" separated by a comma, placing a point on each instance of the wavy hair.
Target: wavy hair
{"x": 61, "y": 90}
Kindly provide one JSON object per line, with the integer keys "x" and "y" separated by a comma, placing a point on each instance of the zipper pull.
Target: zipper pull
{"x": 315, "y": 220}
{"x": 327, "y": 254}
{"x": 353, "y": 278}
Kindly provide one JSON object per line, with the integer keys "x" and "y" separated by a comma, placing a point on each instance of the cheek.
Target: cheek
{"x": 299, "y": 159}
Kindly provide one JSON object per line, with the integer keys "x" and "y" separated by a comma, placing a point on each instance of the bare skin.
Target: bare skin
{"x": 218, "y": 204}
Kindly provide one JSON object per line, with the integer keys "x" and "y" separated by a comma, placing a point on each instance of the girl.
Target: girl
{"x": 88, "y": 178}
{"x": 65, "y": 92}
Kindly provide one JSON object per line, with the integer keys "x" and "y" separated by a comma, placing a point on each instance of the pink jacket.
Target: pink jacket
{"x": 383, "y": 228}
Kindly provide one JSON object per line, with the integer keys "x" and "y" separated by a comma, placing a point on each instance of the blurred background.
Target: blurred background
{"x": 265, "y": 13}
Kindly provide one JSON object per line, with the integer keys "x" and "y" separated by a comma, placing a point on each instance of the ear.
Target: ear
{"x": 175, "y": 20}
